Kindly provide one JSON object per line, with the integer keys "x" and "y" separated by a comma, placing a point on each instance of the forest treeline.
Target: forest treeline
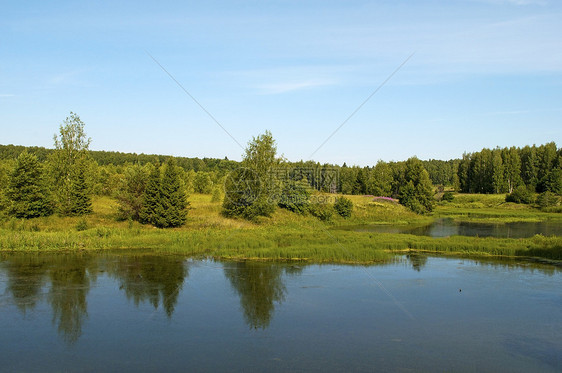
{"x": 498, "y": 170}
{"x": 153, "y": 189}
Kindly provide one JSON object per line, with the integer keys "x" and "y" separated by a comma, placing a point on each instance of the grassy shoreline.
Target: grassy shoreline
{"x": 285, "y": 236}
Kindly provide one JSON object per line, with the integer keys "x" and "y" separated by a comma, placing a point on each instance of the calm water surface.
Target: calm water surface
{"x": 137, "y": 312}
{"x": 449, "y": 227}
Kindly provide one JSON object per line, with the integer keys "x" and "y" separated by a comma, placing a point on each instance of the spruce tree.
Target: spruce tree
{"x": 81, "y": 203}
{"x": 151, "y": 206}
{"x": 173, "y": 198}
{"x": 27, "y": 193}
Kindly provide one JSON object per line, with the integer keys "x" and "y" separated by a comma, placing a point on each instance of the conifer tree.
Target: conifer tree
{"x": 27, "y": 193}
{"x": 173, "y": 198}
{"x": 79, "y": 192}
{"x": 165, "y": 202}
{"x": 151, "y": 206}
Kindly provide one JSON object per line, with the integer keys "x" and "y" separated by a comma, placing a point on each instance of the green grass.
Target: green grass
{"x": 491, "y": 208}
{"x": 284, "y": 236}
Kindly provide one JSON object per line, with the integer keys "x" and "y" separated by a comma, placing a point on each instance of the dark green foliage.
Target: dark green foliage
{"x": 503, "y": 170}
{"x": 448, "y": 196}
{"x": 343, "y": 206}
{"x": 164, "y": 203}
{"x": 554, "y": 181}
{"x": 417, "y": 192}
{"x": 173, "y": 198}
{"x": 379, "y": 181}
{"x": 27, "y": 193}
{"x": 81, "y": 202}
{"x": 548, "y": 199}
{"x": 441, "y": 172}
{"x": 130, "y": 193}
{"x": 322, "y": 211}
{"x": 82, "y": 225}
{"x": 242, "y": 189}
{"x": 295, "y": 197}
{"x": 202, "y": 183}
{"x": 521, "y": 194}
{"x": 360, "y": 185}
{"x": 152, "y": 209}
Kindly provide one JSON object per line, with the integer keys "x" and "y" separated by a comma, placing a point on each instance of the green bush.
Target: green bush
{"x": 322, "y": 211}
{"x": 548, "y": 199}
{"x": 295, "y": 197}
{"x": 343, "y": 206}
{"x": 521, "y": 194}
{"x": 82, "y": 225}
{"x": 448, "y": 196}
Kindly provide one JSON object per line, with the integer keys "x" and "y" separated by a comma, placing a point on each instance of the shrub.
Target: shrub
{"x": 521, "y": 194}
{"x": 448, "y": 196}
{"x": 548, "y": 199}
{"x": 322, "y": 211}
{"x": 295, "y": 197}
{"x": 217, "y": 195}
{"x": 82, "y": 225}
{"x": 343, "y": 207}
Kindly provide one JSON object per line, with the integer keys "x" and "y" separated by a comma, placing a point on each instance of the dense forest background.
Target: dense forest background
{"x": 499, "y": 170}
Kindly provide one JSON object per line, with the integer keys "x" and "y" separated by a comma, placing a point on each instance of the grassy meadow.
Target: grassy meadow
{"x": 491, "y": 208}
{"x": 285, "y": 235}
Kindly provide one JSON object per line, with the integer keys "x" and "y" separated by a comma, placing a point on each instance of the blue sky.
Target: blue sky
{"x": 485, "y": 73}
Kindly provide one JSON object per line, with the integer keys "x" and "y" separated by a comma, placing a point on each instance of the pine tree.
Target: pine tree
{"x": 27, "y": 193}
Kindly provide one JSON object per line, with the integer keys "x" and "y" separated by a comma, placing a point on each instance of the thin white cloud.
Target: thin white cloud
{"x": 284, "y": 87}
{"x": 4, "y": 95}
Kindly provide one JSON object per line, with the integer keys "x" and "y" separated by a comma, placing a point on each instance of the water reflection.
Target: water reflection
{"x": 64, "y": 282}
{"x": 26, "y": 274}
{"x": 418, "y": 261}
{"x": 259, "y": 286}
{"x": 150, "y": 278}
{"x": 449, "y": 227}
{"x": 70, "y": 276}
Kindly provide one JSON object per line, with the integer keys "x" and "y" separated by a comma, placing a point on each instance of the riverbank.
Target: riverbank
{"x": 491, "y": 208}
{"x": 284, "y": 236}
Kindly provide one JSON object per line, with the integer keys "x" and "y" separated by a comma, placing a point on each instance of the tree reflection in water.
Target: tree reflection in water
{"x": 259, "y": 286}
{"x": 150, "y": 278}
{"x": 26, "y": 275}
{"x": 418, "y": 261}
{"x": 70, "y": 277}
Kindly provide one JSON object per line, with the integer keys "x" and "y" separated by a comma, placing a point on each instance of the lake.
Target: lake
{"x": 448, "y": 227}
{"x": 143, "y": 312}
